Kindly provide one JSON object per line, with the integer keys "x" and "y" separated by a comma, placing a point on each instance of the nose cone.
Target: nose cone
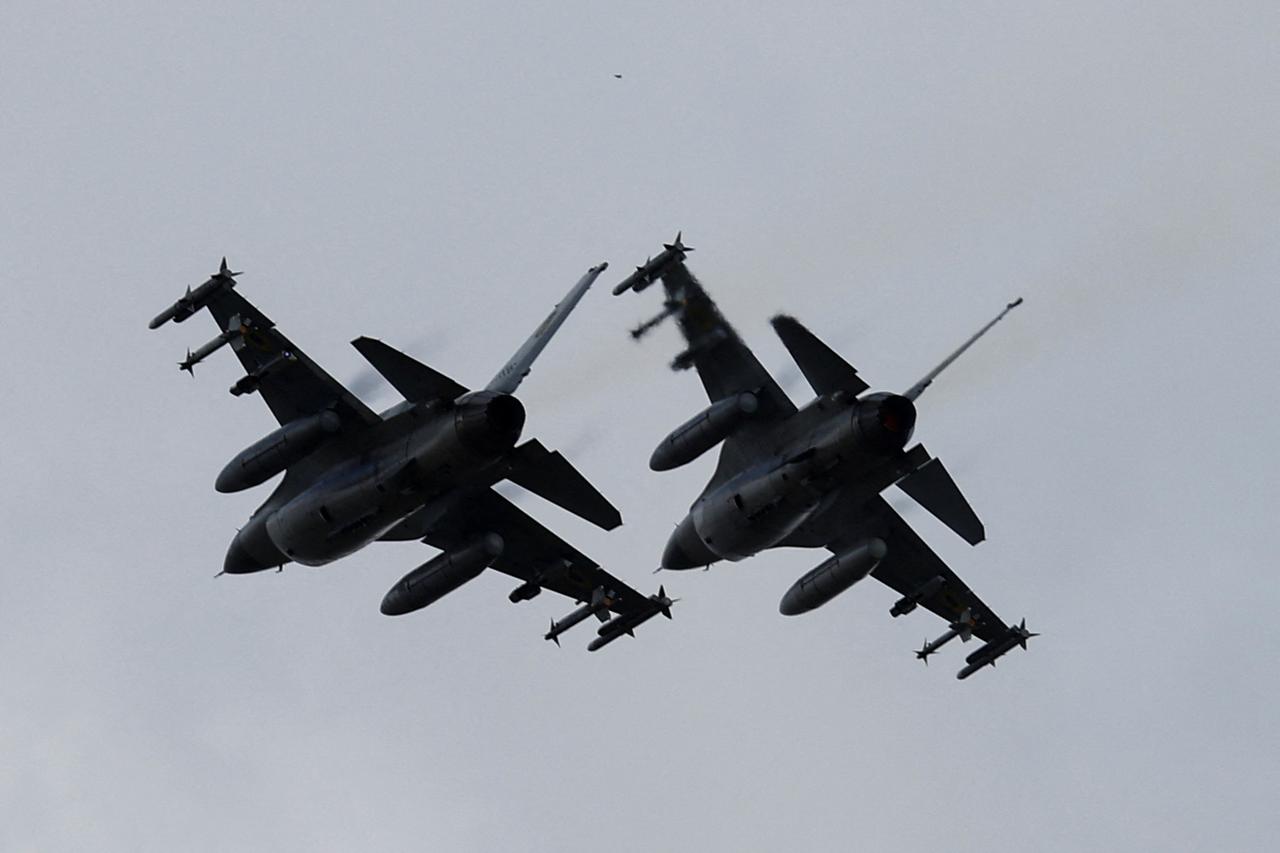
{"x": 252, "y": 550}
{"x": 239, "y": 561}
{"x": 686, "y": 550}
{"x": 394, "y": 603}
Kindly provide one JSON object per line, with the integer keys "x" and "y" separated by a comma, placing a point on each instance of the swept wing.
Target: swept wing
{"x": 911, "y": 565}
{"x": 291, "y": 384}
{"x": 531, "y": 552}
{"x": 726, "y": 366}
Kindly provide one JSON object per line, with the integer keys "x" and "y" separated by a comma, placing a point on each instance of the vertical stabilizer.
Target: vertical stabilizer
{"x": 916, "y": 390}
{"x": 508, "y": 379}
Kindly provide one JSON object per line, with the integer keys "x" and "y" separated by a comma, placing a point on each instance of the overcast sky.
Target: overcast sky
{"x": 891, "y": 173}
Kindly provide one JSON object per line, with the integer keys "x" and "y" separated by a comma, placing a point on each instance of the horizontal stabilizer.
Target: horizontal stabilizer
{"x": 550, "y": 476}
{"x": 932, "y": 487}
{"x": 413, "y": 379}
{"x": 825, "y": 370}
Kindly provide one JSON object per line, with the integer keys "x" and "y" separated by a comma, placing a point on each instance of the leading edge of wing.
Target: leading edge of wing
{"x": 910, "y": 564}
{"x": 290, "y": 383}
{"x": 724, "y": 363}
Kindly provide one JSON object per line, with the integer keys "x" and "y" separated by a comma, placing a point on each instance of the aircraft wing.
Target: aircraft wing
{"x": 725, "y": 364}
{"x": 530, "y": 550}
{"x": 910, "y": 564}
{"x": 291, "y": 384}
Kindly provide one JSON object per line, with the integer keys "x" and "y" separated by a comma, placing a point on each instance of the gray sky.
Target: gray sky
{"x": 891, "y": 174}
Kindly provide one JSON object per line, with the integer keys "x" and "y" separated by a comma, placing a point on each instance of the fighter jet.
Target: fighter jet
{"x": 812, "y": 477}
{"x": 423, "y": 469}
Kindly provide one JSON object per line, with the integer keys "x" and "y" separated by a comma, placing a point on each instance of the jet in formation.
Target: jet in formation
{"x": 424, "y": 469}
{"x": 813, "y": 477}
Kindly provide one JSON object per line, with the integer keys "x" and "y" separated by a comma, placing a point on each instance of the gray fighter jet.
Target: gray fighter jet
{"x": 812, "y": 478}
{"x": 424, "y": 469}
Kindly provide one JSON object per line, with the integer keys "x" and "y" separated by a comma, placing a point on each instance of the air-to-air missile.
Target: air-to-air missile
{"x": 911, "y": 600}
{"x": 962, "y": 628}
{"x": 668, "y": 309}
{"x": 641, "y": 278}
{"x": 615, "y": 628}
{"x": 1016, "y": 636}
{"x": 647, "y": 272}
{"x": 235, "y": 330}
{"x": 441, "y": 575}
{"x": 193, "y": 300}
{"x": 598, "y": 606}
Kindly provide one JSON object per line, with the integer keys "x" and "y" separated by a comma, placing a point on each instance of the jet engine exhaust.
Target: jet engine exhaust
{"x": 489, "y": 422}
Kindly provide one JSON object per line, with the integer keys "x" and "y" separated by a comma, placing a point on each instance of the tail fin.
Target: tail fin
{"x": 916, "y": 390}
{"x": 508, "y": 379}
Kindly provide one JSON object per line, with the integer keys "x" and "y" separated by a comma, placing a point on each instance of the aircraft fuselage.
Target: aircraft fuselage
{"x": 832, "y": 445}
{"x": 418, "y": 454}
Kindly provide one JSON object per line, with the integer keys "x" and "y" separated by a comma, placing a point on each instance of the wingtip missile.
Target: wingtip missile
{"x": 1016, "y": 635}
{"x": 193, "y": 300}
{"x": 663, "y": 602}
{"x": 225, "y": 272}
{"x": 639, "y": 278}
{"x": 615, "y": 628}
{"x": 651, "y": 270}
{"x": 677, "y": 247}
